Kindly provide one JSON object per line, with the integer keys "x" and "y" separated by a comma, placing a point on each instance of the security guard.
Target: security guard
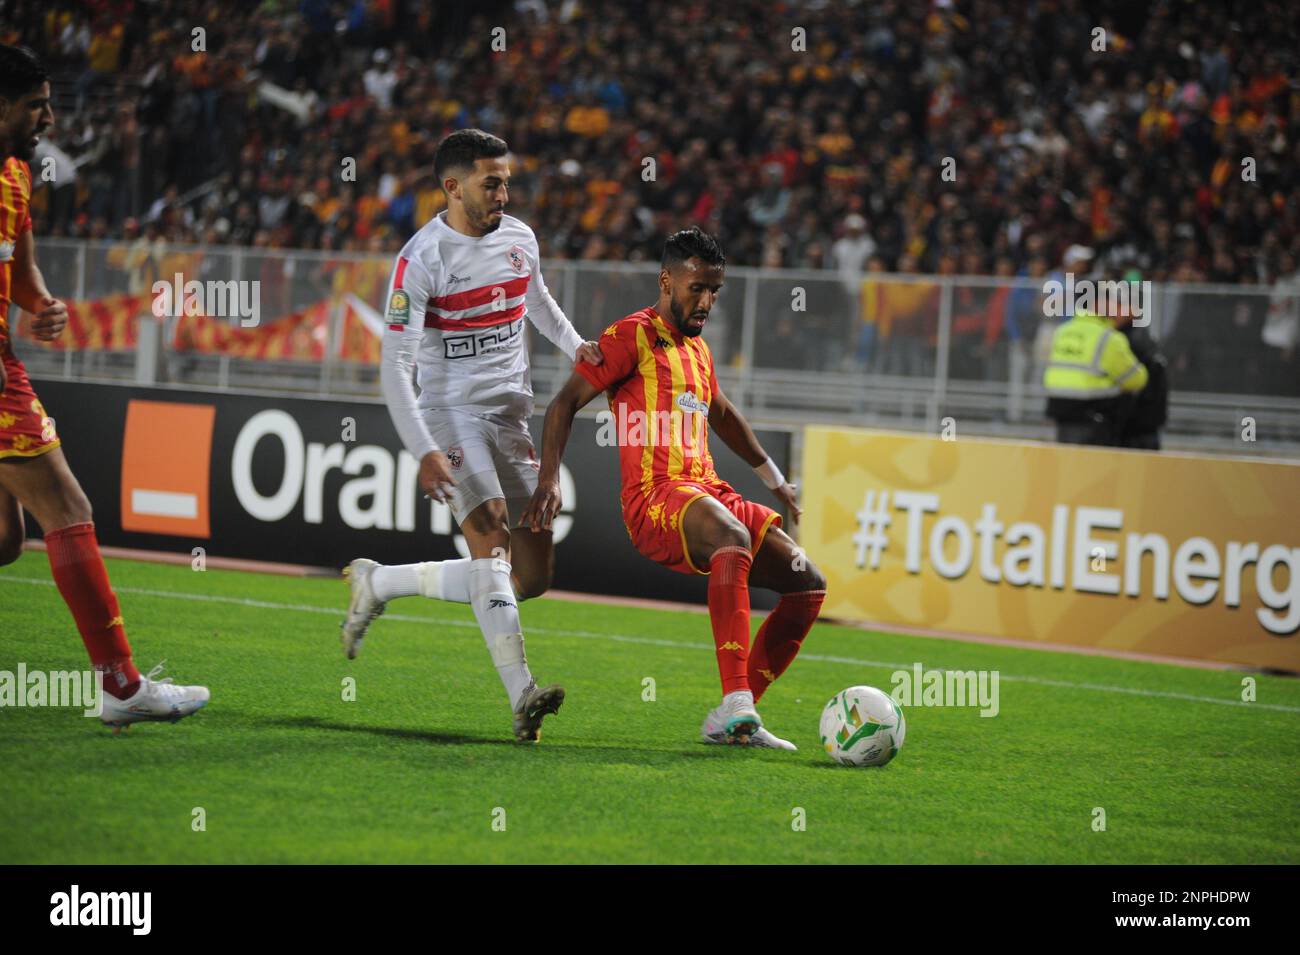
{"x": 1090, "y": 378}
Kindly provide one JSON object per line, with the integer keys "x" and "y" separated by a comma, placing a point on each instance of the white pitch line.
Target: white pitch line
{"x": 652, "y": 641}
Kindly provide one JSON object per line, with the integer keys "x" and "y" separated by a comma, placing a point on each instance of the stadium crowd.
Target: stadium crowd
{"x": 952, "y": 137}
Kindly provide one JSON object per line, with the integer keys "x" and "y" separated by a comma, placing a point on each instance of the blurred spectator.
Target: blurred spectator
{"x": 1281, "y": 330}
{"x": 1150, "y": 407}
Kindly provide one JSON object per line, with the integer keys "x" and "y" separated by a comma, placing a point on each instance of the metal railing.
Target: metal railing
{"x": 892, "y": 351}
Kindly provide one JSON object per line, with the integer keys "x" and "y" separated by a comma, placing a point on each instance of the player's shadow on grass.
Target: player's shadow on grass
{"x": 569, "y": 744}
{"x": 394, "y": 732}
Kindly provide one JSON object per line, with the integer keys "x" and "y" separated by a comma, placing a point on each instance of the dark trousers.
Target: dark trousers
{"x": 1146, "y": 441}
{"x": 1095, "y": 429}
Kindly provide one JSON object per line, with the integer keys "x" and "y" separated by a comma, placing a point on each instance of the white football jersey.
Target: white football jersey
{"x": 455, "y": 313}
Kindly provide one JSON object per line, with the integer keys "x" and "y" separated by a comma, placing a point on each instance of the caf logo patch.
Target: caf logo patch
{"x": 399, "y": 308}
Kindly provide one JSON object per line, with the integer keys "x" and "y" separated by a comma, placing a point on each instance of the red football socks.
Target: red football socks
{"x": 82, "y": 580}
{"x": 729, "y": 612}
{"x": 779, "y": 638}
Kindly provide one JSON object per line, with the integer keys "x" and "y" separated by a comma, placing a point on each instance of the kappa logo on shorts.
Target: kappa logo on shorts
{"x": 456, "y": 456}
{"x": 516, "y": 256}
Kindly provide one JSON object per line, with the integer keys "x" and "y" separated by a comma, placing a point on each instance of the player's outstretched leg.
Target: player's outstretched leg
{"x": 781, "y": 566}
{"x": 717, "y": 540}
{"x": 46, "y": 487}
{"x": 373, "y": 584}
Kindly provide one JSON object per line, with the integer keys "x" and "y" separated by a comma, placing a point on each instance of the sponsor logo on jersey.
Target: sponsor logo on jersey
{"x": 399, "y": 308}
{"x": 496, "y": 603}
{"x": 470, "y": 346}
{"x": 457, "y": 278}
{"x": 456, "y": 456}
{"x": 516, "y": 257}
{"x": 691, "y": 404}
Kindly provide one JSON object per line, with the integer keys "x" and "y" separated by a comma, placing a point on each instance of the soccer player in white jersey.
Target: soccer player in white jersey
{"x": 460, "y": 292}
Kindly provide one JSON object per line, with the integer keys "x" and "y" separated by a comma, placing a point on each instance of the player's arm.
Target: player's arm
{"x": 618, "y": 351}
{"x": 572, "y": 398}
{"x": 730, "y": 425}
{"x": 545, "y": 313}
{"x": 408, "y": 296}
{"x": 29, "y": 291}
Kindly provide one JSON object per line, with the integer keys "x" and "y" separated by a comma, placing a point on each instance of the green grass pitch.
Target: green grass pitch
{"x": 417, "y": 767}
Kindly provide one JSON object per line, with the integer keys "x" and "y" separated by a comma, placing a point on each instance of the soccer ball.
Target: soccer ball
{"x": 862, "y": 726}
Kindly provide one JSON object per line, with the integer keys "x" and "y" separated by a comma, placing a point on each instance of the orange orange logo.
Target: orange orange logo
{"x": 166, "y": 463}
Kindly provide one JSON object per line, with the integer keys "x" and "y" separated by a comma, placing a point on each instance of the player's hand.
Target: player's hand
{"x": 50, "y": 320}
{"x": 435, "y": 476}
{"x": 788, "y": 495}
{"x": 543, "y": 507}
{"x": 588, "y": 352}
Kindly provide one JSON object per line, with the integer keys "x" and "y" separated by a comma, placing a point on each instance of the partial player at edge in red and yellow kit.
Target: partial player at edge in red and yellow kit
{"x": 660, "y": 385}
{"x": 25, "y": 429}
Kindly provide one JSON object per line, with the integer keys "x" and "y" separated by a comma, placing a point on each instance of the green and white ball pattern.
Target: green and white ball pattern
{"x": 862, "y": 726}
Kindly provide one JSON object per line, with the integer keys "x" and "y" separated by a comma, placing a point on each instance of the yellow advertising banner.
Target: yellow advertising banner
{"x": 1170, "y": 554}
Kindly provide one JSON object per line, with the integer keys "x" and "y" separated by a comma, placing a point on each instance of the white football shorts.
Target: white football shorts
{"x": 491, "y": 456}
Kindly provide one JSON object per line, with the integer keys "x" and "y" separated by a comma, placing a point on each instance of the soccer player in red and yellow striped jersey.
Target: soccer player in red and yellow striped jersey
{"x": 34, "y": 474}
{"x": 663, "y": 395}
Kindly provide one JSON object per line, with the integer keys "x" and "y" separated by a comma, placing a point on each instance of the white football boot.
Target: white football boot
{"x": 762, "y": 739}
{"x": 535, "y": 703}
{"x": 363, "y": 608}
{"x": 734, "y": 720}
{"x": 155, "y": 700}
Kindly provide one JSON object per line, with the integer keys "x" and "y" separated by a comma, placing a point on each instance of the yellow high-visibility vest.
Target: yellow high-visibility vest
{"x": 1090, "y": 359}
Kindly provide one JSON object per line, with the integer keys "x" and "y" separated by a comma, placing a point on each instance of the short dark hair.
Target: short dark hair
{"x": 692, "y": 243}
{"x": 21, "y": 71}
{"x": 460, "y": 149}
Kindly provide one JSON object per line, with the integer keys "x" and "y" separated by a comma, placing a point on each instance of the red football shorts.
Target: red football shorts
{"x": 25, "y": 429}
{"x": 654, "y": 520}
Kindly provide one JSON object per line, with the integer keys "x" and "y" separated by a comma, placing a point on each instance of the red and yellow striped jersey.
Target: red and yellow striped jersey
{"x": 15, "y": 219}
{"x": 660, "y": 385}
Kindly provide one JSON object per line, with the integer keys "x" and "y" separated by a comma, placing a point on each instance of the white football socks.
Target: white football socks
{"x": 497, "y": 612}
{"x": 445, "y": 580}
{"x": 401, "y": 580}
{"x": 436, "y": 579}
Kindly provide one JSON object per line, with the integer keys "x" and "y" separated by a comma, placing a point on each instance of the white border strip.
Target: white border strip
{"x": 338, "y": 612}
